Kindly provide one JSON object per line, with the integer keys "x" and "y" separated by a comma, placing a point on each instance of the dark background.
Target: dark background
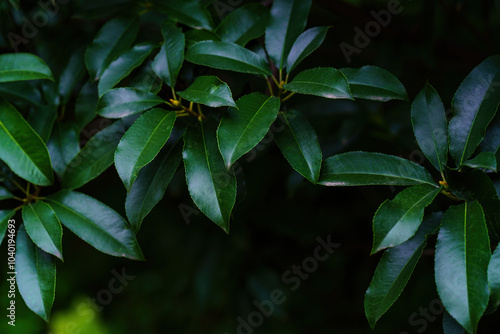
{"x": 197, "y": 279}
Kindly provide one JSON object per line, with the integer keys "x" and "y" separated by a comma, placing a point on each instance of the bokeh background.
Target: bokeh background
{"x": 196, "y": 278}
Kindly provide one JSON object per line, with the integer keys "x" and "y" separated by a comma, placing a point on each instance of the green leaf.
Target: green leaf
{"x": 305, "y": 44}
{"x": 397, "y": 220}
{"x": 451, "y": 326}
{"x": 461, "y": 263}
{"x": 43, "y": 227}
{"x": 299, "y": 144}
{"x": 243, "y": 128}
{"x": 71, "y": 75}
{"x": 113, "y": 39}
{"x": 42, "y": 120}
{"x": 64, "y": 145}
{"x": 430, "y": 126}
{"x": 210, "y": 91}
{"x": 321, "y": 81}
{"x": 122, "y": 102}
{"x": 96, "y": 223}
{"x": 374, "y": 83}
{"x": 494, "y": 277}
{"x": 86, "y": 104}
{"x": 369, "y": 168}
{"x": 151, "y": 183}
{"x": 474, "y": 106}
{"x": 484, "y": 160}
{"x": 23, "y": 66}
{"x": 211, "y": 187}
{"x": 94, "y": 158}
{"x": 5, "y": 215}
{"x": 491, "y": 142}
{"x": 122, "y": 66}
{"x": 395, "y": 269}
{"x": 146, "y": 79}
{"x": 194, "y": 36}
{"x": 288, "y": 20}
{"x": 142, "y": 142}
{"x": 227, "y": 56}
{"x": 36, "y": 275}
{"x": 190, "y": 13}
{"x": 478, "y": 186}
{"x": 168, "y": 62}
{"x": 244, "y": 24}
{"x": 21, "y": 90}
{"x": 5, "y": 194}
{"x": 22, "y": 148}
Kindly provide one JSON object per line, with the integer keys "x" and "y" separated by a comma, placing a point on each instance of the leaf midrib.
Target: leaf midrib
{"x": 237, "y": 144}
{"x": 22, "y": 149}
{"x": 407, "y": 212}
{"x": 90, "y": 222}
{"x": 210, "y": 173}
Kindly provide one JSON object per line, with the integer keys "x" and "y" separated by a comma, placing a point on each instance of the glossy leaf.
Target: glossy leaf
{"x": 151, "y": 183}
{"x": 451, "y": 326}
{"x": 146, "y": 79}
{"x": 305, "y": 44}
{"x": 36, "y": 275}
{"x": 43, "y": 227}
{"x": 71, "y": 75}
{"x": 23, "y": 66}
{"x": 211, "y": 187}
{"x": 21, "y": 90}
{"x": 484, "y": 160}
{"x": 191, "y": 13}
{"x": 430, "y": 126}
{"x": 243, "y": 128}
{"x": 5, "y": 194}
{"x": 63, "y": 146}
{"x": 461, "y": 264}
{"x": 86, "y": 104}
{"x": 370, "y": 168}
{"x": 227, "y": 56}
{"x": 122, "y": 102}
{"x": 5, "y": 216}
{"x": 374, "y": 83}
{"x": 194, "y": 36}
{"x": 491, "y": 142}
{"x": 96, "y": 223}
{"x": 22, "y": 148}
{"x": 122, "y": 66}
{"x": 478, "y": 186}
{"x": 142, "y": 142}
{"x": 113, "y": 39}
{"x": 210, "y": 91}
{"x": 287, "y": 22}
{"x": 474, "y": 106}
{"x": 395, "y": 269}
{"x": 299, "y": 144}
{"x": 397, "y": 220}
{"x": 321, "y": 81}
{"x": 94, "y": 158}
{"x": 494, "y": 277}
{"x": 168, "y": 62}
{"x": 244, "y": 24}
{"x": 42, "y": 120}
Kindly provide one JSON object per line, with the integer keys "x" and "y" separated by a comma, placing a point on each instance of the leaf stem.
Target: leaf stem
{"x": 288, "y": 96}
{"x": 270, "y": 87}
